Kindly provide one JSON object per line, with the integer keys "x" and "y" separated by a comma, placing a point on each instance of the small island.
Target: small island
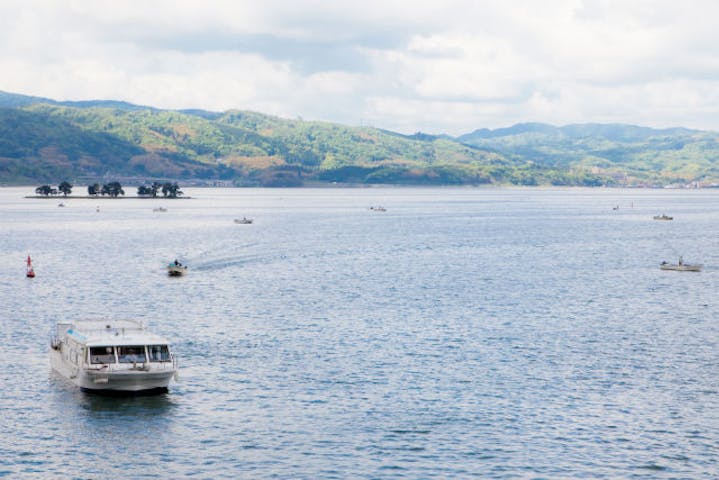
{"x": 110, "y": 190}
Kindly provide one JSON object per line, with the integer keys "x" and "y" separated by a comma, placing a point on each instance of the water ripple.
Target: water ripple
{"x": 466, "y": 333}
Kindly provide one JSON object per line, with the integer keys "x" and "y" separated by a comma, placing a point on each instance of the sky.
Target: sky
{"x": 444, "y": 66}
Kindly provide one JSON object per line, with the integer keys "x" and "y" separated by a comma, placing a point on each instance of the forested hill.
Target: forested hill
{"x": 47, "y": 141}
{"x": 627, "y": 154}
{"x": 43, "y": 140}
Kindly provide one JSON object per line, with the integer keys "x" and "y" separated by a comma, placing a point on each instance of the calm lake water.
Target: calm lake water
{"x": 463, "y": 333}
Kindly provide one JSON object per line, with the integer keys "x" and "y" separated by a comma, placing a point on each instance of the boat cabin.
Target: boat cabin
{"x": 104, "y": 355}
{"x": 113, "y": 343}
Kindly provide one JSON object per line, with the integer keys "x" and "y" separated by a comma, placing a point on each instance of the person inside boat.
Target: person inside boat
{"x": 177, "y": 264}
{"x": 102, "y": 355}
{"x": 131, "y": 354}
{"x": 159, "y": 353}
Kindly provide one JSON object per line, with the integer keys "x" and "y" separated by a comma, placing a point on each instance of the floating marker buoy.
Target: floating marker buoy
{"x": 30, "y": 271}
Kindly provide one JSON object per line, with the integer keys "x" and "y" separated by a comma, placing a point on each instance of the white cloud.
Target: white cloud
{"x": 449, "y": 66}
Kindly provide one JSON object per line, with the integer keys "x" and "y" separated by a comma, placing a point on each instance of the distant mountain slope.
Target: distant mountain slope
{"x": 611, "y": 131}
{"x": 627, "y": 153}
{"x": 247, "y": 147}
{"x": 42, "y": 140}
{"x": 11, "y": 100}
{"x": 34, "y": 147}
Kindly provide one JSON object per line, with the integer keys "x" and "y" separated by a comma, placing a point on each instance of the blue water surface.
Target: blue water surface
{"x": 463, "y": 333}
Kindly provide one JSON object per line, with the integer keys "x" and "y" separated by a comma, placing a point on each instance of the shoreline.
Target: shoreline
{"x": 90, "y": 197}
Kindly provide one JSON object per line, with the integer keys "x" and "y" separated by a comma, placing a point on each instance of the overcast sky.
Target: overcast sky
{"x": 444, "y": 66}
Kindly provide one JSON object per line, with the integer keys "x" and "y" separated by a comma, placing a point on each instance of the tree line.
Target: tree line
{"x": 113, "y": 189}
{"x": 169, "y": 190}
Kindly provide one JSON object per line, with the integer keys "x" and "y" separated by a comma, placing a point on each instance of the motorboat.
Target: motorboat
{"x": 243, "y": 220}
{"x": 159, "y": 209}
{"x": 663, "y": 217}
{"x": 112, "y": 356}
{"x": 378, "y": 209}
{"x": 681, "y": 266}
{"x": 176, "y": 269}
{"x": 61, "y": 204}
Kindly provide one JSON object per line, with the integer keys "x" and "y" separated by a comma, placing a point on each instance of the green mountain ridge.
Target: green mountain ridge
{"x": 43, "y": 140}
{"x": 628, "y": 153}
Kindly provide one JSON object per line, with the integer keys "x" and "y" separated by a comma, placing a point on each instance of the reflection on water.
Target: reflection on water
{"x": 133, "y": 404}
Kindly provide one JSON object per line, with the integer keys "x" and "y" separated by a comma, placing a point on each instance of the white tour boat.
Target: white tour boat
{"x": 112, "y": 356}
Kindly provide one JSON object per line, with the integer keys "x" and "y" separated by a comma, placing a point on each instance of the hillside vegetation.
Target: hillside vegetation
{"x": 42, "y": 140}
{"x": 623, "y": 154}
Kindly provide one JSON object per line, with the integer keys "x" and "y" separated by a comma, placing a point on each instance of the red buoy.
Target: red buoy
{"x": 30, "y": 271}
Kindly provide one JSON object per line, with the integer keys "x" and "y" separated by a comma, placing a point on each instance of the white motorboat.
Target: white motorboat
{"x": 243, "y": 220}
{"x": 681, "y": 266}
{"x": 176, "y": 269}
{"x": 112, "y": 356}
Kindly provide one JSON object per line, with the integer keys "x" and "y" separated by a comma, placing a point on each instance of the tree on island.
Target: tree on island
{"x": 65, "y": 188}
{"x": 171, "y": 190}
{"x": 152, "y": 190}
{"x": 112, "y": 189}
{"x": 45, "y": 190}
{"x": 143, "y": 191}
{"x": 93, "y": 190}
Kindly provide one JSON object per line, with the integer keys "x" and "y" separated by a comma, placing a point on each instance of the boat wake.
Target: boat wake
{"x": 232, "y": 261}
{"x": 228, "y": 262}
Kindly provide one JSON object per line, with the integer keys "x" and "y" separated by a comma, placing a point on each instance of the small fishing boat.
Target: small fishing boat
{"x": 176, "y": 269}
{"x": 30, "y": 272}
{"x": 61, "y": 204}
{"x": 663, "y": 217}
{"x": 681, "y": 266}
{"x": 243, "y": 220}
{"x": 112, "y": 356}
{"x": 378, "y": 209}
{"x": 159, "y": 209}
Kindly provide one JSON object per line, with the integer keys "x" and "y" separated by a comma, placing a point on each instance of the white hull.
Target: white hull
{"x": 176, "y": 271}
{"x": 104, "y": 379}
{"x": 681, "y": 268}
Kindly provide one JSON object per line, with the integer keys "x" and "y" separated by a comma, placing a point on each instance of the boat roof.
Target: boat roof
{"x": 102, "y": 332}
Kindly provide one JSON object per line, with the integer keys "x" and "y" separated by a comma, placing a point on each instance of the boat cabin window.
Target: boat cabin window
{"x": 131, "y": 354}
{"x": 102, "y": 355}
{"x": 159, "y": 353}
